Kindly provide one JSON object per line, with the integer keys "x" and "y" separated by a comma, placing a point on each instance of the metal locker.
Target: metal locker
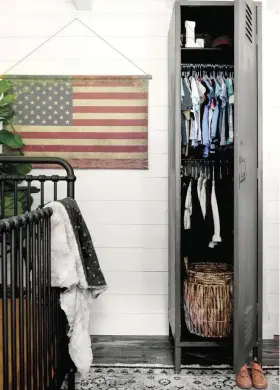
{"x": 247, "y": 187}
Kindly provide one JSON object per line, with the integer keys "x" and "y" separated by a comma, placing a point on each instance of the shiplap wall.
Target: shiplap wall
{"x": 127, "y": 211}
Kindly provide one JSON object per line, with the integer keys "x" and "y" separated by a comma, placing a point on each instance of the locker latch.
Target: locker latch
{"x": 242, "y": 169}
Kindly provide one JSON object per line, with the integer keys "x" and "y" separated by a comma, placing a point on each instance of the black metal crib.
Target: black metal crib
{"x": 33, "y": 328}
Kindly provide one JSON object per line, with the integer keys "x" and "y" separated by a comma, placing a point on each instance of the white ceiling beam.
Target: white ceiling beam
{"x": 83, "y": 5}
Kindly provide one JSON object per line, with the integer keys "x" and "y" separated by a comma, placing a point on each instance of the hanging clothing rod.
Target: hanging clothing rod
{"x": 204, "y": 161}
{"x": 192, "y": 167}
{"x": 204, "y": 66}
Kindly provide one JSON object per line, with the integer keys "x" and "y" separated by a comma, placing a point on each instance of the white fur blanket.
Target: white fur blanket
{"x": 67, "y": 271}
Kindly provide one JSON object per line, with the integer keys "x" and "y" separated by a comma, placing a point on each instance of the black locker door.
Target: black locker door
{"x": 245, "y": 182}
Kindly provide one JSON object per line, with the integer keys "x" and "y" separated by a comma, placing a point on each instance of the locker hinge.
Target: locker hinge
{"x": 257, "y": 39}
{"x": 258, "y": 174}
{"x": 258, "y": 308}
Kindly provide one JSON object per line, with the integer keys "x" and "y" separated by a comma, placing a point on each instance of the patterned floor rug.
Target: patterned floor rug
{"x": 137, "y": 378}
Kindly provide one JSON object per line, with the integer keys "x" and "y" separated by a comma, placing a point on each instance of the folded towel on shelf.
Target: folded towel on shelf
{"x": 75, "y": 266}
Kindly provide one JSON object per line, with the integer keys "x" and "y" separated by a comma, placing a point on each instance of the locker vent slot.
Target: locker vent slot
{"x": 248, "y": 324}
{"x": 248, "y": 23}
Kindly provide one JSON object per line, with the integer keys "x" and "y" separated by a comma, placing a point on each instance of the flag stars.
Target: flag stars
{"x": 44, "y": 103}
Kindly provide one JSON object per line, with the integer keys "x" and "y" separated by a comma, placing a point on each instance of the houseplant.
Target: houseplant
{"x": 11, "y": 144}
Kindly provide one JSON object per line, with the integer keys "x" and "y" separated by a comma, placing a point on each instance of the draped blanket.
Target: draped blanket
{"x": 74, "y": 266}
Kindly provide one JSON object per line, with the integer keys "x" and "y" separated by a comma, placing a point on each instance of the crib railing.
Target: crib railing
{"x": 33, "y": 328}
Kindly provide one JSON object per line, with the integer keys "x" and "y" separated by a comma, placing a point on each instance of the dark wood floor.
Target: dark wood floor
{"x": 158, "y": 350}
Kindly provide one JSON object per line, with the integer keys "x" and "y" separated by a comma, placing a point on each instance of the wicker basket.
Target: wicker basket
{"x": 208, "y": 299}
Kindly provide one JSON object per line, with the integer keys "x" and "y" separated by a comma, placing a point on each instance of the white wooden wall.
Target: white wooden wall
{"x": 127, "y": 211}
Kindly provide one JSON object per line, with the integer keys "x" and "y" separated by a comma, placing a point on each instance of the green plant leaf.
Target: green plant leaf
{"x": 5, "y": 86}
{"x": 7, "y": 99}
{"x": 12, "y": 140}
{"x": 9, "y": 210}
{"x": 17, "y": 141}
{"x": 15, "y": 169}
{"x": 23, "y": 169}
{"x": 6, "y": 112}
{"x": 5, "y": 137}
{"x": 9, "y": 170}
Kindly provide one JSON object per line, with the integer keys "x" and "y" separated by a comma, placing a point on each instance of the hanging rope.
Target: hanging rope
{"x": 93, "y": 32}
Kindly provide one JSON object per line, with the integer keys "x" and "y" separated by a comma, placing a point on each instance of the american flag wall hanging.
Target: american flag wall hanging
{"x": 95, "y": 122}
